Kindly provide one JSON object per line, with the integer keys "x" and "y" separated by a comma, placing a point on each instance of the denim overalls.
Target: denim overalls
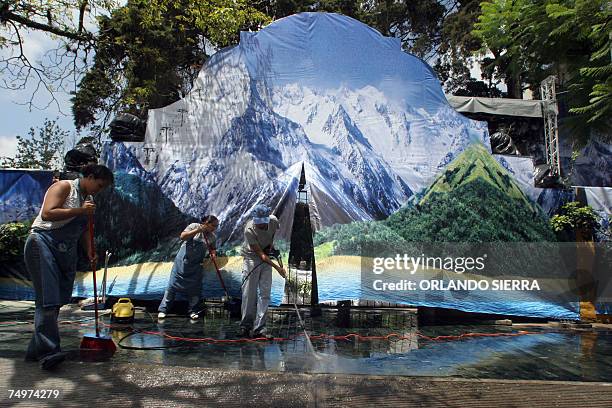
{"x": 51, "y": 257}
{"x": 186, "y": 275}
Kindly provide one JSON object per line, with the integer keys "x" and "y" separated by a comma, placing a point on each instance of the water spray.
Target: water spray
{"x": 276, "y": 255}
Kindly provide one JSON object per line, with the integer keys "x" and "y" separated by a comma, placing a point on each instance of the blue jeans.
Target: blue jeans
{"x": 46, "y": 338}
{"x": 50, "y": 258}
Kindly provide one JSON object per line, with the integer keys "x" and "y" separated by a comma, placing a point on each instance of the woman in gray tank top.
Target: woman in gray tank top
{"x": 51, "y": 253}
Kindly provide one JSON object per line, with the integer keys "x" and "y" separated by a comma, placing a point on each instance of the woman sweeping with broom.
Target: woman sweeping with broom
{"x": 186, "y": 275}
{"x": 51, "y": 255}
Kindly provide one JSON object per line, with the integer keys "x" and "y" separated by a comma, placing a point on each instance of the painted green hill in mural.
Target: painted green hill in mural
{"x": 473, "y": 212}
{"x": 476, "y": 163}
{"x": 475, "y": 200}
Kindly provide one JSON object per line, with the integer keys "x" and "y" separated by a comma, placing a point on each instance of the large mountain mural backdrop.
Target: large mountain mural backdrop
{"x": 370, "y": 122}
{"x": 387, "y": 162}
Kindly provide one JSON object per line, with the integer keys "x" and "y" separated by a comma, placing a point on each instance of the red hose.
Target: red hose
{"x": 344, "y": 337}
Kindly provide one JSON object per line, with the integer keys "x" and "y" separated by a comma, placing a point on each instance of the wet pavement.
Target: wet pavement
{"x": 378, "y": 342}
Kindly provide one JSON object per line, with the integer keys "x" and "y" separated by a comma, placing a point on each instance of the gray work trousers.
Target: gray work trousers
{"x": 256, "y": 288}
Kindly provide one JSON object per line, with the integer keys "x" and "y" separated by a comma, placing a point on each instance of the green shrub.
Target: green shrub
{"x": 572, "y": 217}
{"x": 12, "y": 239}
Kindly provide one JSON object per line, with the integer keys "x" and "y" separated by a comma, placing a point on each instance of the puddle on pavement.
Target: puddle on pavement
{"x": 359, "y": 349}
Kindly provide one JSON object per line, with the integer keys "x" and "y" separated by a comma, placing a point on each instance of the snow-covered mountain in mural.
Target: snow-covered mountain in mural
{"x": 370, "y": 123}
{"x": 21, "y": 193}
{"x": 416, "y": 144}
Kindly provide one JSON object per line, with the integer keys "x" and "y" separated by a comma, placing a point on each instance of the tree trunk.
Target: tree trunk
{"x": 513, "y": 83}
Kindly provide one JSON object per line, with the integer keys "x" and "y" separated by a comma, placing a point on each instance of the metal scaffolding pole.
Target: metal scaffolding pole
{"x": 551, "y": 129}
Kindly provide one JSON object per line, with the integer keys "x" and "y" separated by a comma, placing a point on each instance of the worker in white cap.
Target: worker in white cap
{"x": 257, "y": 271}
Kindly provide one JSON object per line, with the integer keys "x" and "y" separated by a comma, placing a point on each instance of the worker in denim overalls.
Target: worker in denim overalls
{"x": 51, "y": 255}
{"x": 187, "y": 273}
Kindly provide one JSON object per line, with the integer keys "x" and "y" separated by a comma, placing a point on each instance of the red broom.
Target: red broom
{"x": 232, "y": 305}
{"x": 94, "y": 346}
{"x": 214, "y": 261}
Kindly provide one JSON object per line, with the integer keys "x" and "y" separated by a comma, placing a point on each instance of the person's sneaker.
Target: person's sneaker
{"x": 244, "y": 332}
{"x": 52, "y": 361}
{"x": 194, "y": 316}
{"x": 161, "y": 316}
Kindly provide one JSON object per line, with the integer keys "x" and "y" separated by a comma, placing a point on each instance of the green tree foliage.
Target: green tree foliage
{"x": 150, "y": 51}
{"x": 42, "y": 151}
{"x": 572, "y": 217}
{"x": 567, "y": 38}
{"x": 417, "y": 24}
{"x": 494, "y": 28}
{"x": 456, "y": 53}
{"x": 62, "y": 18}
{"x": 12, "y": 239}
{"x": 591, "y": 88}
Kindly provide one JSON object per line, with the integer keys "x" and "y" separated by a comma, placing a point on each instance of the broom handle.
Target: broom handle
{"x": 92, "y": 249}
{"x": 214, "y": 260}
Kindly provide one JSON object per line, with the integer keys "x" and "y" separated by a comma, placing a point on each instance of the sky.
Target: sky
{"x": 16, "y": 118}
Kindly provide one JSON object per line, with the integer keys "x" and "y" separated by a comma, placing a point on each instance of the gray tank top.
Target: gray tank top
{"x": 72, "y": 201}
